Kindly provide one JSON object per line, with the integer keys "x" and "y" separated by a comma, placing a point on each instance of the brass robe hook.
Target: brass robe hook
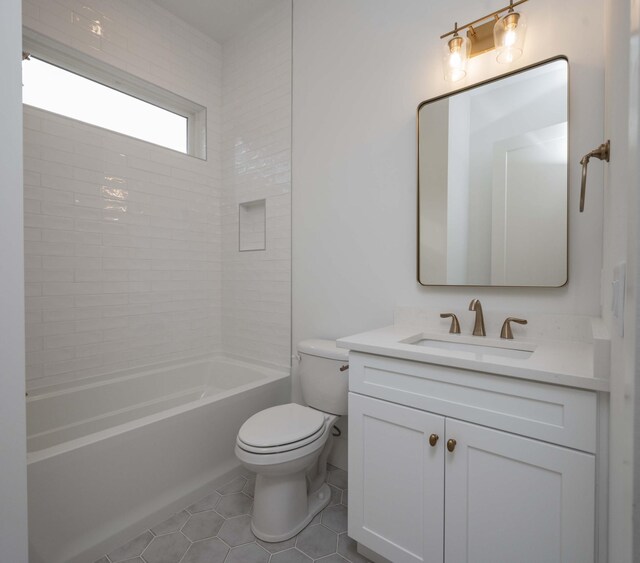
{"x": 602, "y": 152}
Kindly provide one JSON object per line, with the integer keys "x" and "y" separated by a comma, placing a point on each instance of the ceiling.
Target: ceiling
{"x": 218, "y": 19}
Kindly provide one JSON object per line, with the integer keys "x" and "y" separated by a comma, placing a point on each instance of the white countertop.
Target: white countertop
{"x": 569, "y": 363}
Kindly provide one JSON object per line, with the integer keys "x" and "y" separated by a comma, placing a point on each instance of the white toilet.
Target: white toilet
{"x": 287, "y": 446}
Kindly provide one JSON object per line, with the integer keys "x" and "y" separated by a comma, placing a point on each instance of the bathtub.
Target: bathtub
{"x": 111, "y": 456}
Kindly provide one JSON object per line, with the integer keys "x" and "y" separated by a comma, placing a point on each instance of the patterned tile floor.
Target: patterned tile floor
{"x": 216, "y": 529}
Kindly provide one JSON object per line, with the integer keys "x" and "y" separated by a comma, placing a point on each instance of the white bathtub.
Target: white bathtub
{"x": 110, "y": 456}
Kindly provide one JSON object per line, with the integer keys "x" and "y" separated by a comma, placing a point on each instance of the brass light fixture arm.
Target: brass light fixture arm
{"x": 603, "y": 152}
{"x": 511, "y": 6}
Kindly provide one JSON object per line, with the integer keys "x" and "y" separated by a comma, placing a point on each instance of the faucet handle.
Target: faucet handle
{"x": 455, "y": 325}
{"x": 506, "y": 327}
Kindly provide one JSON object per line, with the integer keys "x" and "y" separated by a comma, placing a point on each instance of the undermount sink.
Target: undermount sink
{"x": 480, "y": 351}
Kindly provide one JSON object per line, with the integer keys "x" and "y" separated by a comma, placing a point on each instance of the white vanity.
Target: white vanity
{"x": 494, "y": 454}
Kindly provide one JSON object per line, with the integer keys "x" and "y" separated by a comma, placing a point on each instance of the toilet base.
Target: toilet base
{"x": 316, "y": 501}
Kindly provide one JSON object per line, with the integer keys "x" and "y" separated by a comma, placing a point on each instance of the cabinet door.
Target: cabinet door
{"x": 512, "y": 499}
{"x": 396, "y": 480}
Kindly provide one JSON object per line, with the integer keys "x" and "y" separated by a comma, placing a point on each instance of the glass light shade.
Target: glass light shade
{"x": 508, "y": 36}
{"x": 455, "y": 57}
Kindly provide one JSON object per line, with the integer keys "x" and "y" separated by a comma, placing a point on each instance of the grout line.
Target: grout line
{"x": 225, "y": 543}
{"x": 185, "y": 553}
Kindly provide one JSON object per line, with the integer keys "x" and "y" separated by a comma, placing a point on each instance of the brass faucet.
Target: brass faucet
{"x": 478, "y": 327}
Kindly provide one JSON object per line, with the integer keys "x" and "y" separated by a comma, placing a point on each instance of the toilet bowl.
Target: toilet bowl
{"x": 285, "y": 500}
{"x": 287, "y": 446}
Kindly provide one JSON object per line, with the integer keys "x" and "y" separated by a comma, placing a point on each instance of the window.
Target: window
{"x": 70, "y": 85}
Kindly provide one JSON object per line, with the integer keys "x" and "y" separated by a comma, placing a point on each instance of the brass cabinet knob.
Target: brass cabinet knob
{"x": 451, "y": 444}
{"x": 433, "y": 440}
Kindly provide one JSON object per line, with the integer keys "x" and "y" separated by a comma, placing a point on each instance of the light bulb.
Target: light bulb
{"x": 510, "y": 38}
{"x": 455, "y": 60}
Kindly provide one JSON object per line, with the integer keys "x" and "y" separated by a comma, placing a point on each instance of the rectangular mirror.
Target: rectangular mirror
{"x": 493, "y": 181}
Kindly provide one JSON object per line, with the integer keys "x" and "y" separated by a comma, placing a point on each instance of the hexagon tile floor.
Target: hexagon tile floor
{"x": 216, "y": 529}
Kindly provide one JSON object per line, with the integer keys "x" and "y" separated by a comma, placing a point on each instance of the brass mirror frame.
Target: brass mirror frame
{"x": 471, "y": 87}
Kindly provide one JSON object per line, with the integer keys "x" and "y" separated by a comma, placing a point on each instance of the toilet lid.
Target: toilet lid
{"x": 281, "y": 425}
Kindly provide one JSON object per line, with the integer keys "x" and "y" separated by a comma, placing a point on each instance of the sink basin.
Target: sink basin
{"x": 480, "y": 351}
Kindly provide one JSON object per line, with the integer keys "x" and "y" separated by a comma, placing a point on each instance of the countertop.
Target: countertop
{"x": 568, "y": 363}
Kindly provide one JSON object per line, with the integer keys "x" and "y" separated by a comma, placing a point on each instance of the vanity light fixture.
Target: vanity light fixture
{"x": 505, "y": 34}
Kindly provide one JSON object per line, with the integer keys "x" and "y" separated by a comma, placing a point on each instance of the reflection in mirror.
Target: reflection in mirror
{"x": 492, "y": 182}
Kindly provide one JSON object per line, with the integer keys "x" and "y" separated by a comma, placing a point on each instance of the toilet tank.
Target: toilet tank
{"x": 324, "y": 386}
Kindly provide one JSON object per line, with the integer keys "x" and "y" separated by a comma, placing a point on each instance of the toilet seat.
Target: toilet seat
{"x": 280, "y": 429}
{"x": 282, "y": 447}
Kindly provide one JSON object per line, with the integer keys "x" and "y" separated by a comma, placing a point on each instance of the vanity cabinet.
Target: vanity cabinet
{"x": 449, "y": 465}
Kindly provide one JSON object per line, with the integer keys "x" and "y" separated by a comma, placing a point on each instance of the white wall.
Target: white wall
{"x": 13, "y": 485}
{"x": 256, "y": 161}
{"x": 622, "y": 214}
{"x": 634, "y": 315}
{"x": 360, "y": 69}
{"x": 123, "y": 250}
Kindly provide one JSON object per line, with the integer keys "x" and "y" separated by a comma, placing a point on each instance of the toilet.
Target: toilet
{"x": 287, "y": 446}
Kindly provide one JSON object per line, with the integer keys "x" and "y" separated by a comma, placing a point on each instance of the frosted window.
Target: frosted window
{"x": 54, "y": 89}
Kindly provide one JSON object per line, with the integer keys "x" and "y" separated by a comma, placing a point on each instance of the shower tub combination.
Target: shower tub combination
{"x": 111, "y": 456}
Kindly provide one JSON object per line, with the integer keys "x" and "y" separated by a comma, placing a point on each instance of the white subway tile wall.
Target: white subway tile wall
{"x": 256, "y": 164}
{"x": 123, "y": 238}
{"x": 131, "y": 249}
